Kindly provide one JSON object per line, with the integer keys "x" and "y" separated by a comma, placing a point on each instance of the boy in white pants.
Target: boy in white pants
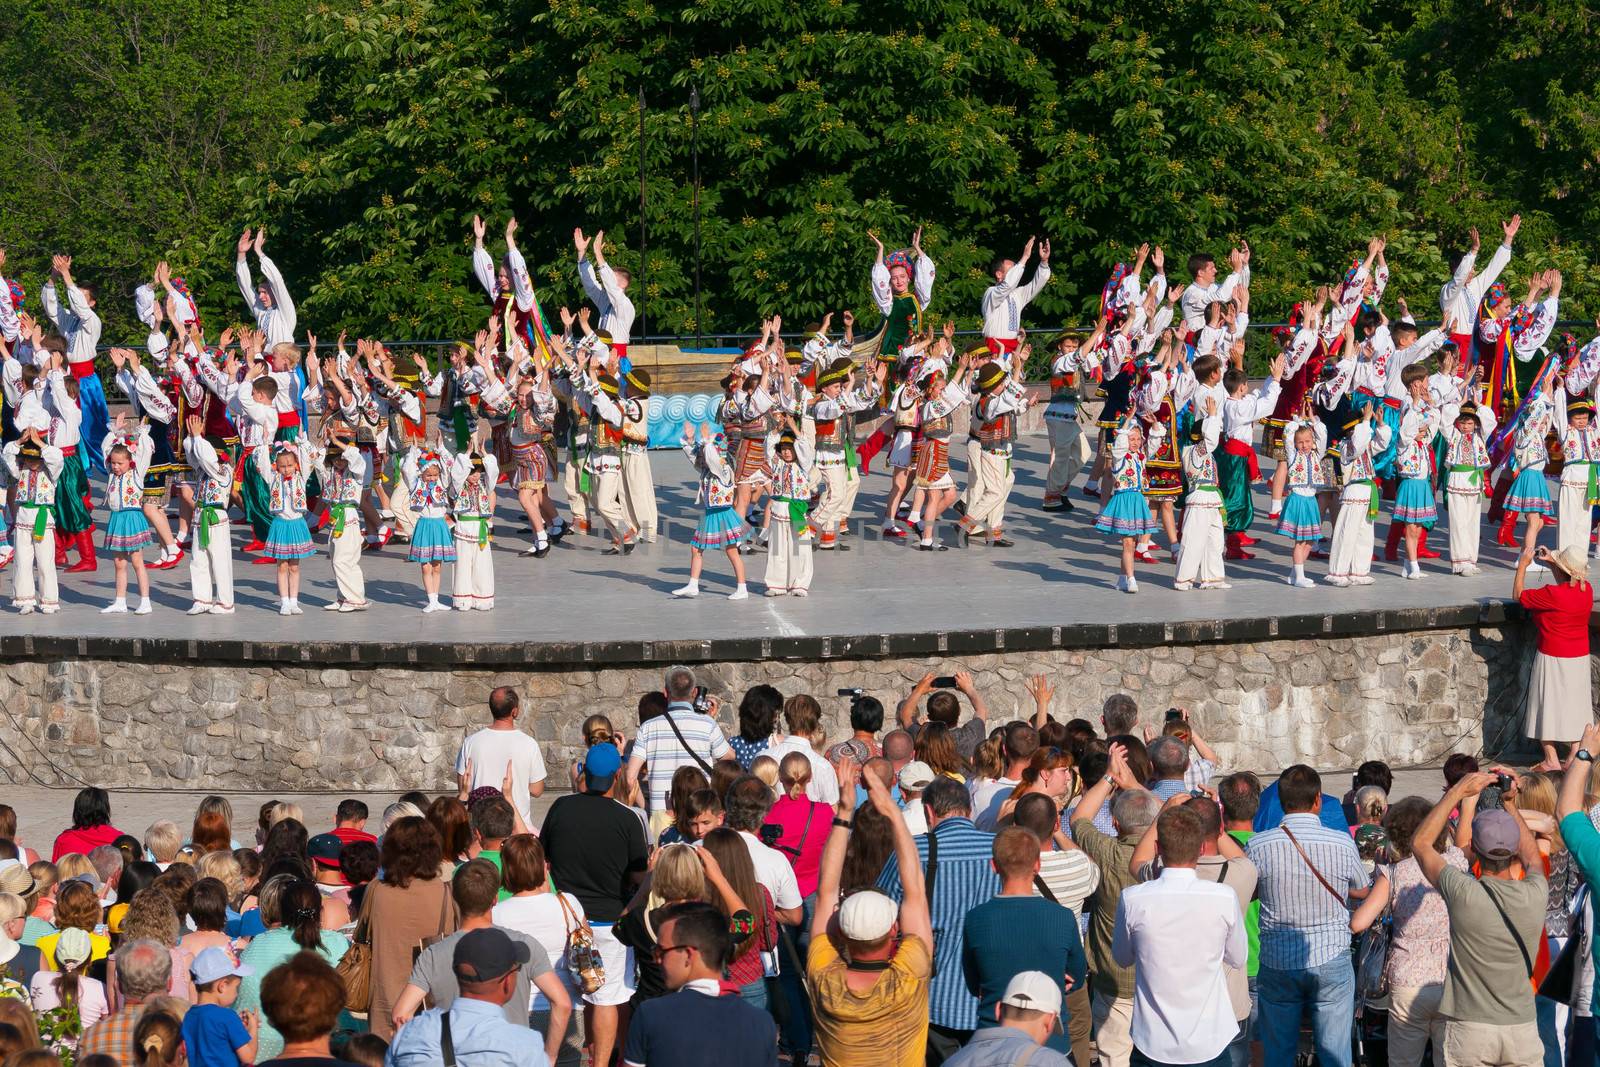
{"x": 1580, "y": 487}
{"x": 344, "y": 474}
{"x": 1200, "y": 551}
{"x": 1350, "y": 561}
{"x": 211, "y": 559}
{"x": 472, "y": 486}
{"x": 1061, "y": 423}
{"x": 1467, "y": 466}
{"x": 34, "y": 468}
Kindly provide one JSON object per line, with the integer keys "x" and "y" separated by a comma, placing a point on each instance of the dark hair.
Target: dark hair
{"x": 1457, "y": 767}
{"x": 870, "y": 845}
{"x": 1022, "y": 741}
{"x": 1374, "y": 772}
{"x": 364, "y": 1050}
{"x": 91, "y": 807}
{"x": 698, "y": 803}
{"x": 1233, "y": 378}
{"x": 1199, "y": 261}
{"x": 502, "y": 702}
{"x": 410, "y": 851}
{"x": 997, "y": 264}
{"x": 651, "y": 705}
{"x": 701, "y": 925}
{"x": 300, "y": 907}
{"x": 946, "y": 796}
{"x": 156, "y": 1040}
{"x": 937, "y": 749}
{"x": 350, "y": 811}
{"x": 302, "y": 997}
{"x": 746, "y": 804}
{"x": 1401, "y": 822}
{"x": 249, "y": 861}
{"x": 11, "y": 1040}
{"x": 1169, "y": 757}
{"x": 449, "y": 817}
{"x": 1079, "y": 733}
{"x": 944, "y": 708}
{"x": 140, "y": 874}
{"x": 1240, "y": 795}
{"x": 1205, "y": 366}
{"x": 1300, "y": 789}
{"x": 723, "y": 774}
{"x": 1179, "y": 835}
{"x": 1054, "y": 735}
{"x": 733, "y": 857}
{"x": 266, "y": 386}
{"x": 359, "y": 861}
{"x": 287, "y": 838}
{"x": 1138, "y": 757}
{"x": 416, "y": 798}
{"x": 866, "y": 714}
{"x": 758, "y": 712}
{"x": 1368, "y": 322}
{"x": 1015, "y": 852}
{"x": 493, "y": 817}
{"x": 476, "y": 887}
{"x": 522, "y": 863}
{"x": 685, "y": 781}
{"x": 1120, "y": 711}
{"x": 208, "y": 904}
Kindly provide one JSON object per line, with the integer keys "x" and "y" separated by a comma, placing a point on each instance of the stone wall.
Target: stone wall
{"x": 1410, "y": 698}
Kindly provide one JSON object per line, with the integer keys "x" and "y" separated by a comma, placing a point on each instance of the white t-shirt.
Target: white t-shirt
{"x": 989, "y": 795}
{"x": 773, "y": 871}
{"x": 824, "y": 784}
{"x": 541, "y": 918}
{"x": 489, "y": 749}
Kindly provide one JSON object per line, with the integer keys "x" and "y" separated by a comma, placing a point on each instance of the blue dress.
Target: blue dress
{"x": 289, "y": 539}
{"x": 432, "y": 541}
{"x": 1530, "y": 494}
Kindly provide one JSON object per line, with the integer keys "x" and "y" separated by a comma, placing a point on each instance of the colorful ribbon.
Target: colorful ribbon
{"x": 210, "y": 515}
{"x": 798, "y": 511}
{"x": 1476, "y": 473}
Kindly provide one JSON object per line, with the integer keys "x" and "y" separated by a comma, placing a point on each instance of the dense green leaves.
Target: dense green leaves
{"x": 366, "y": 133}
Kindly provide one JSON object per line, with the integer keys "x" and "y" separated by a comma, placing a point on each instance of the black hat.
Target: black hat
{"x": 325, "y": 849}
{"x": 487, "y": 954}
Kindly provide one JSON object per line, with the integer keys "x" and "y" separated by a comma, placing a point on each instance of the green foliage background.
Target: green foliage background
{"x": 366, "y": 133}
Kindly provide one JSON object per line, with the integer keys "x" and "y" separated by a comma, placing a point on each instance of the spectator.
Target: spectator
{"x": 694, "y": 1025}
{"x": 487, "y": 755}
{"x": 208, "y": 915}
{"x": 964, "y": 879}
{"x": 702, "y": 813}
{"x": 546, "y": 918}
{"x": 869, "y": 963}
{"x": 992, "y": 952}
{"x": 803, "y": 824}
{"x": 1132, "y": 811}
{"x": 324, "y": 851}
{"x": 157, "y": 1041}
{"x": 745, "y": 971}
{"x": 914, "y": 778}
{"x": 487, "y": 966}
{"x": 937, "y": 749}
{"x": 19, "y": 1030}
{"x": 1306, "y": 872}
{"x": 765, "y": 768}
{"x": 108, "y": 862}
{"x": 945, "y": 709}
{"x": 1119, "y": 714}
{"x": 1179, "y": 933}
{"x": 1496, "y": 921}
{"x": 681, "y": 874}
{"x": 474, "y": 889}
{"x": 493, "y": 820}
{"x": 1020, "y": 741}
{"x": 20, "y": 962}
{"x": 292, "y": 911}
{"x": 302, "y": 998}
{"x": 212, "y": 830}
{"x": 152, "y": 916}
{"x": 758, "y": 718}
{"x": 408, "y": 905}
{"x": 686, "y": 782}
{"x": 8, "y": 832}
{"x": 135, "y": 877}
{"x": 1169, "y": 764}
{"x": 77, "y": 907}
{"x": 213, "y": 1035}
{"x": 899, "y": 748}
{"x": 866, "y": 719}
{"x": 365, "y": 1050}
{"x": 350, "y": 822}
{"x": 1371, "y": 772}
{"x": 1457, "y": 766}
{"x": 65, "y": 987}
{"x": 1029, "y": 1015}
{"x": 1048, "y": 774}
{"x": 1419, "y": 945}
{"x": 1369, "y": 804}
{"x": 803, "y": 717}
{"x": 599, "y": 846}
{"x": 91, "y": 825}
{"x": 748, "y": 802}
{"x": 1203, "y": 760}
{"x": 162, "y": 841}
{"x": 358, "y": 862}
{"x": 657, "y": 745}
{"x": 1558, "y": 703}
{"x": 449, "y": 818}
{"x": 144, "y": 968}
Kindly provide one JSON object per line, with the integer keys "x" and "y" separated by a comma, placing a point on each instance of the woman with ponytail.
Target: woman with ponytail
{"x": 294, "y": 925}
{"x": 66, "y": 990}
{"x": 158, "y": 1040}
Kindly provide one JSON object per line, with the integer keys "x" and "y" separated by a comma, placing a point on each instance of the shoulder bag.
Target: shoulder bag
{"x": 931, "y": 872}
{"x": 1372, "y": 952}
{"x": 355, "y": 966}
{"x": 583, "y": 959}
{"x": 1522, "y": 946}
{"x": 1334, "y": 893}
{"x": 704, "y": 766}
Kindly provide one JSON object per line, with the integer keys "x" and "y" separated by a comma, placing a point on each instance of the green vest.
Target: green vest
{"x": 904, "y": 319}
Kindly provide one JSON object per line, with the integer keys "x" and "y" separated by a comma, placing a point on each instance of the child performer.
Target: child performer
{"x": 211, "y": 561}
{"x": 1068, "y": 372}
{"x": 34, "y": 467}
{"x": 1001, "y": 399}
{"x": 432, "y": 544}
{"x": 151, "y": 403}
{"x": 1529, "y": 494}
{"x": 1580, "y": 488}
{"x": 1301, "y": 518}
{"x": 1413, "y": 499}
{"x": 1467, "y": 463}
{"x": 127, "y": 452}
{"x": 79, "y": 323}
{"x": 74, "y": 522}
{"x": 942, "y": 398}
{"x": 473, "y": 477}
{"x": 835, "y": 449}
{"x": 1237, "y": 468}
{"x": 1350, "y": 561}
{"x": 283, "y": 466}
{"x": 1200, "y": 547}
{"x": 344, "y": 476}
{"x": 1127, "y": 513}
{"x": 638, "y": 484}
{"x": 789, "y": 555}
{"x": 721, "y": 526}
{"x": 533, "y": 448}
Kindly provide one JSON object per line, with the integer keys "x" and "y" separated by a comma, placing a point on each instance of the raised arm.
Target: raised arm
{"x": 915, "y": 920}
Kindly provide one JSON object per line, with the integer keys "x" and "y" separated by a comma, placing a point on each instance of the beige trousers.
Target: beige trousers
{"x": 839, "y": 488}
{"x": 605, "y": 487}
{"x": 1487, "y": 1045}
{"x": 1064, "y": 462}
{"x": 1466, "y": 516}
{"x": 788, "y": 556}
{"x": 31, "y": 553}
{"x": 345, "y": 552}
{"x": 1351, "y": 554}
{"x": 639, "y": 493}
{"x": 211, "y": 568}
{"x": 1113, "y": 1029}
{"x": 1413, "y": 1019}
{"x": 1200, "y": 545}
{"x": 1573, "y": 517}
{"x": 994, "y": 478}
{"x": 474, "y": 570}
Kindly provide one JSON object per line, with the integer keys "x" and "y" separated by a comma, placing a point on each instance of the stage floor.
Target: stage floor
{"x": 1055, "y": 588}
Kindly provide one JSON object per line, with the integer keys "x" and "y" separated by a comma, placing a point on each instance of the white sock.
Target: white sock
{"x": 740, "y": 588}
{"x": 542, "y": 539}
{"x": 1277, "y": 505}
{"x": 1299, "y": 571}
{"x": 693, "y": 585}
{"x": 433, "y": 600}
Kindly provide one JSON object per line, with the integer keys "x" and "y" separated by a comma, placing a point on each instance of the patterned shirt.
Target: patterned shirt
{"x": 964, "y": 879}
{"x": 1302, "y": 925}
{"x": 747, "y": 751}
{"x": 661, "y": 750}
{"x": 1420, "y": 947}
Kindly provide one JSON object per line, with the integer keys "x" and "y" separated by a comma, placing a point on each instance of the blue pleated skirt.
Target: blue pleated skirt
{"x": 289, "y": 539}
{"x": 1414, "y": 504}
{"x": 1126, "y": 514}
{"x": 1530, "y": 494}
{"x": 1301, "y": 519}
{"x": 127, "y": 530}
{"x": 431, "y": 542}
{"x": 719, "y": 528}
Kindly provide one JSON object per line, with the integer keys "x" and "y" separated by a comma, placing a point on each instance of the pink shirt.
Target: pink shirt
{"x": 800, "y": 844}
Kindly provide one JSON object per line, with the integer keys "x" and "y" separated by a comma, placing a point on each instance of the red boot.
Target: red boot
{"x": 1508, "y": 530}
{"x": 1245, "y": 539}
{"x": 1232, "y": 549}
{"x": 1423, "y": 551}
{"x": 1391, "y": 544}
{"x": 84, "y": 543}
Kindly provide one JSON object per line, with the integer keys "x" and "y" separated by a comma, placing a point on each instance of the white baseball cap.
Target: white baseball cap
{"x": 916, "y": 776}
{"x": 867, "y": 915}
{"x": 1034, "y": 991}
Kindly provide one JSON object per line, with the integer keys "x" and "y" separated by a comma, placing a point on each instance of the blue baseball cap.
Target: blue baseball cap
{"x": 600, "y": 765}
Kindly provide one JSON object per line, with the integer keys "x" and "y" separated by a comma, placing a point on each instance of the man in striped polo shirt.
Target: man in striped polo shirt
{"x": 659, "y": 746}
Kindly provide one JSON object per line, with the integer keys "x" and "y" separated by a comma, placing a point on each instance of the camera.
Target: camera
{"x": 853, "y": 694}
{"x": 702, "y": 700}
{"x": 769, "y": 834}
{"x": 1174, "y": 715}
{"x": 945, "y": 681}
{"x": 1503, "y": 781}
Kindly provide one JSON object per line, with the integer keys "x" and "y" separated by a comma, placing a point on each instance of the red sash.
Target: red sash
{"x": 85, "y": 369}
{"x": 288, "y": 418}
{"x": 998, "y": 345}
{"x": 1234, "y": 447}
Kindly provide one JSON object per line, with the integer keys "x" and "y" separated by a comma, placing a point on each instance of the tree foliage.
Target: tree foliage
{"x": 1302, "y": 125}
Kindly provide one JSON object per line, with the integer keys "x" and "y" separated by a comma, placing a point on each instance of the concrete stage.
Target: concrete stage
{"x": 578, "y": 607}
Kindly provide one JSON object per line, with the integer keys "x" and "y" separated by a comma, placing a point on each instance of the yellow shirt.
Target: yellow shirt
{"x": 100, "y": 949}
{"x": 885, "y": 1026}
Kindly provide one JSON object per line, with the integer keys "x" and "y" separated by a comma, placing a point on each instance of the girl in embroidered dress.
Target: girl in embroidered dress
{"x": 288, "y": 538}
{"x": 127, "y": 451}
{"x": 432, "y": 543}
{"x": 1301, "y": 518}
{"x": 1127, "y": 513}
{"x": 789, "y": 556}
{"x": 721, "y": 526}
{"x": 1530, "y": 493}
{"x": 1414, "y": 506}
{"x": 533, "y": 451}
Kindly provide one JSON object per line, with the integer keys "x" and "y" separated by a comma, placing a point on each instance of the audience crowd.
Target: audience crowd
{"x": 955, "y": 891}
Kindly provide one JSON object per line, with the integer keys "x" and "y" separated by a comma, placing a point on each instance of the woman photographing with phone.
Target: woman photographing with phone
{"x": 1558, "y": 706}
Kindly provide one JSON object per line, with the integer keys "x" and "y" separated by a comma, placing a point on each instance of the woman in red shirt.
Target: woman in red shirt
{"x": 1558, "y": 689}
{"x": 91, "y": 824}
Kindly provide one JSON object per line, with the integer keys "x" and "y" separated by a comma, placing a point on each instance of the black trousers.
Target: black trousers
{"x": 944, "y": 1042}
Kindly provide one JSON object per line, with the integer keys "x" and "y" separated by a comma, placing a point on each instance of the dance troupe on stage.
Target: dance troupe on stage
{"x": 1361, "y": 413}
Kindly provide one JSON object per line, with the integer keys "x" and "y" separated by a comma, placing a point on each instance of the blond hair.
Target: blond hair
{"x": 795, "y": 774}
{"x": 766, "y": 769}
{"x": 225, "y": 869}
{"x": 163, "y": 839}
{"x": 282, "y": 810}
{"x": 678, "y": 876}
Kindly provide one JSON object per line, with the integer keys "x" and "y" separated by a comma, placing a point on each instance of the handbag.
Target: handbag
{"x": 1372, "y": 952}
{"x": 583, "y": 959}
{"x": 355, "y": 966}
{"x": 1561, "y": 981}
{"x": 444, "y": 916}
